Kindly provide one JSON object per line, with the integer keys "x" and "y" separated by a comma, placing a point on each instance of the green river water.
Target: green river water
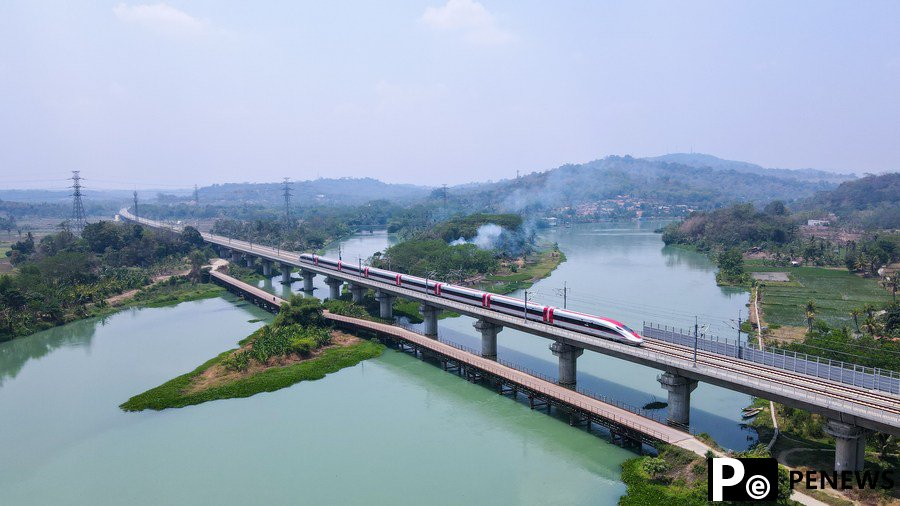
{"x": 392, "y": 430}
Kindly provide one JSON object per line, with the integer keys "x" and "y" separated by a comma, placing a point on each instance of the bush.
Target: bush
{"x": 655, "y": 467}
{"x": 306, "y": 311}
{"x": 238, "y": 361}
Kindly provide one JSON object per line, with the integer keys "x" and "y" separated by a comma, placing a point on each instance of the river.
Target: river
{"x": 389, "y": 430}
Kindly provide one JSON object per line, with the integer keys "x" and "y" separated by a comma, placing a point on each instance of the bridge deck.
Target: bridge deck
{"x": 548, "y": 389}
{"x": 874, "y": 410}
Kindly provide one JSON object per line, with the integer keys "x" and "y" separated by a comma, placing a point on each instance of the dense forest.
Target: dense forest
{"x": 775, "y": 232}
{"x": 62, "y": 277}
{"x": 460, "y": 247}
{"x": 649, "y": 183}
{"x": 869, "y": 202}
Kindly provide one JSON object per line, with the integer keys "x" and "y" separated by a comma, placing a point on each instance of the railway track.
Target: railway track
{"x": 873, "y": 399}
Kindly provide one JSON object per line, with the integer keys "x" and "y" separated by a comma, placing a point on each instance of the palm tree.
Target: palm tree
{"x": 855, "y": 313}
{"x": 871, "y": 326}
{"x": 810, "y": 313}
{"x": 869, "y": 310}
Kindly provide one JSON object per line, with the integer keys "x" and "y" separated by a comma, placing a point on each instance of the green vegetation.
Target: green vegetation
{"x": 535, "y": 266}
{"x": 870, "y": 201}
{"x": 175, "y": 290}
{"x": 836, "y": 293}
{"x": 803, "y": 443}
{"x": 436, "y": 259}
{"x": 738, "y": 226}
{"x": 678, "y": 477}
{"x": 731, "y": 267}
{"x": 876, "y": 345}
{"x": 466, "y": 227}
{"x": 63, "y": 277}
{"x": 274, "y": 357}
{"x": 171, "y": 394}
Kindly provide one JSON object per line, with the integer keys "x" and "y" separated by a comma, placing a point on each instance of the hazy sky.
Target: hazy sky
{"x": 437, "y": 91}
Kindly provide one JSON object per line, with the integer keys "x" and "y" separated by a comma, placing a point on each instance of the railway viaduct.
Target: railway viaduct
{"x": 853, "y": 408}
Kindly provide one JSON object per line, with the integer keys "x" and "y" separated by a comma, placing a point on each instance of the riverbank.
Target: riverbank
{"x": 173, "y": 290}
{"x": 522, "y": 273}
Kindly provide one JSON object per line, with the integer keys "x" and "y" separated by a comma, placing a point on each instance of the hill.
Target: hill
{"x": 621, "y": 186}
{"x": 343, "y": 191}
{"x": 703, "y": 160}
{"x": 871, "y": 201}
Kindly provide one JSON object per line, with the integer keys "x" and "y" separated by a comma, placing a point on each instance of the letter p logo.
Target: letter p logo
{"x": 718, "y": 481}
{"x": 744, "y": 479}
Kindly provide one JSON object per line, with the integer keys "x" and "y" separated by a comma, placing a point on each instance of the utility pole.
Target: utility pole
{"x": 135, "y": 203}
{"x": 696, "y": 339}
{"x": 526, "y": 305}
{"x": 78, "y": 219}
{"x": 739, "y": 325}
{"x": 564, "y": 292}
{"x": 286, "y": 193}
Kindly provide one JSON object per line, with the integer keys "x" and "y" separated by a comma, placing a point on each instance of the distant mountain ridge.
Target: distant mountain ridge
{"x": 317, "y": 191}
{"x": 644, "y": 180}
{"x": 701, "y": 160}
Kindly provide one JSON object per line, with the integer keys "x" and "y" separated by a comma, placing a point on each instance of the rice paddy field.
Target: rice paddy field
{"x": 836, "y": 291}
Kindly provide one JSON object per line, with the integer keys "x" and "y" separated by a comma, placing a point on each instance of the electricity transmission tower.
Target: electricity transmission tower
{"x": 196, "y": 195}
{"x": 78, "y": 219}
{"x": 286, "y": 193}
{"x": 135, "y": 203}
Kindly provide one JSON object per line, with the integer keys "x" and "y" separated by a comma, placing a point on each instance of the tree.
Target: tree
{"x": 731, "y": 263}
{"x": 299, "y": 310}
{"x": 810, "y": 311}
{"x": 885, "y": 444}
{"x": 192, "y": 237}
{"x": 855, "y": 313}
{"x": 197, "y": 259}
{"x": 775, "y": 208}
{"x": 101, "y": 236}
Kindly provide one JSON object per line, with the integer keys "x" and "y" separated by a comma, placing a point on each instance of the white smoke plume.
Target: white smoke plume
{"x": 487, "y": 237}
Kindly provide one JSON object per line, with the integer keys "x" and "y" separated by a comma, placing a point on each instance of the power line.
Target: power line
{"x": 78, "y": 219}
{"x": 286, "y": 193}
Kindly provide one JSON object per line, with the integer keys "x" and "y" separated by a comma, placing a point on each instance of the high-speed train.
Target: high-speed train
{"x": 605, "y": 328}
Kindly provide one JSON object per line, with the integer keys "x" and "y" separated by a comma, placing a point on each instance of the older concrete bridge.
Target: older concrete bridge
{"x": 852, "y": 411}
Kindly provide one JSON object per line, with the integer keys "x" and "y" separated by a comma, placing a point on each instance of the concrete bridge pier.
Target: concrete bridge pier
{"x": 249, "y": 259}
{"x": 386, "y": 304}
{"x": 307, "y": 280}
{"x": 430, "y": 314}
{"x": 285, "y": 274}
{"x": 680, "y": 388}
{"x": 849, "y": 445}
{"x": 223, "y": 252}
{"x": 568, "y": 355}
{"x": 267, "y": 268}
{"x": 235, "y": 256}
{"x": 358, "y": 292}
{"x": 488, "y": 337}
{"x": 334, "y": 287}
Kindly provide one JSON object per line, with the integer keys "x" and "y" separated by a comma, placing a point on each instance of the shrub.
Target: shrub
{"x": 655, "y": 467}
{"x": 238, "y": 361}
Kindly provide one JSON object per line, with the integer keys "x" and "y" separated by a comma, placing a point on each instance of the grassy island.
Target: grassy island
{"x": 297, "y": 346}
